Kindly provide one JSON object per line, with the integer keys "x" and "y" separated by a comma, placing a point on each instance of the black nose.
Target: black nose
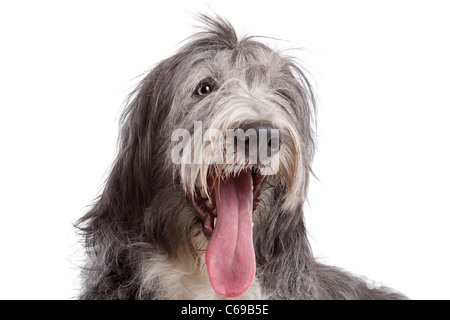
{"x": 271, "y": 134}
{"x": 262, "y": 141}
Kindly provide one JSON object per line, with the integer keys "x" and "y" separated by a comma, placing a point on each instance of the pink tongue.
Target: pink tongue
{"x": 230, "y": 258}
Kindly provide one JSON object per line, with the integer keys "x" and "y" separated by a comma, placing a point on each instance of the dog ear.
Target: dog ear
{"x": 132, "y": 177}
{"x": 116, "y": 215}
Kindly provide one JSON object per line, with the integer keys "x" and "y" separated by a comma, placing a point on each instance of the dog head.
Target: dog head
{"x": 215, "y": 138}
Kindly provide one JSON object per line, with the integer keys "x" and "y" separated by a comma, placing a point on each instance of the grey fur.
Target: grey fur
{"x": 144, "y": 212}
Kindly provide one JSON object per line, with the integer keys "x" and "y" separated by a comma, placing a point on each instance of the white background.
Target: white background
{"x": 381, "y": 69}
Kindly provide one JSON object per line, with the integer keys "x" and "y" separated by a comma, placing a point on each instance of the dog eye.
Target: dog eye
{"x": 204, "y": 88}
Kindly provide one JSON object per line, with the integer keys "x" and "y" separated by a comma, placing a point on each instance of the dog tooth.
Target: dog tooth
{"x": 203, "y": 193}
{"x": 209, "y": 204}
{"x": 215, "y": 211}
{"x": 215, "y": 219}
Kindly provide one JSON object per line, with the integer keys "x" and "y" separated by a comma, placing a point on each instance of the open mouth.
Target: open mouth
{"x": 207, "y": 206}
{"x": 227, "y": 223}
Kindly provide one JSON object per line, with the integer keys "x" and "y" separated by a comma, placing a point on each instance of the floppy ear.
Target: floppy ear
{"x": 115, "y": 219}
{"x": 132, "y": 179}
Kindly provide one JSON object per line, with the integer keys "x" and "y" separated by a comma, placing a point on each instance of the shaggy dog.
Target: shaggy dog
{"x": 204, "y": 199}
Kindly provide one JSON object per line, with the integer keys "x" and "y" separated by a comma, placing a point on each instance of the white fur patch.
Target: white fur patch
{"x": 182, "y": 280}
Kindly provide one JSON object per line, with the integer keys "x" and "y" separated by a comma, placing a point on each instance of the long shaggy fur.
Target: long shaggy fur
{"x": 143, "y": 236}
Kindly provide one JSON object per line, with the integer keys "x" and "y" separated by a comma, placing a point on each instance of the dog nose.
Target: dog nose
{"x": 267, "y": 133}
{"x": 262, "y": 138}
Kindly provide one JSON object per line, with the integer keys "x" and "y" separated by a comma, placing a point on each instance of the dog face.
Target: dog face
{"x": 214, "y": 87}
{"x": 244, "y": 85}
{"x": 215, "y": 139}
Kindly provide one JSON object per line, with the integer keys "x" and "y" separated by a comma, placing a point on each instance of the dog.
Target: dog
{"x": 192, "y": 207}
